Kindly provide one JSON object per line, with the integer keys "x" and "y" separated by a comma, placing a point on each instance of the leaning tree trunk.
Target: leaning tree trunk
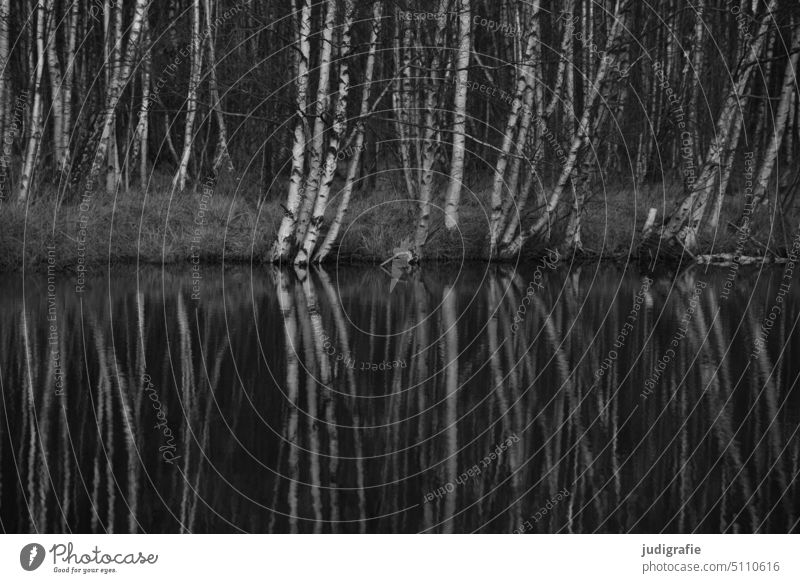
{"x": 779, "y": 126}
{"x": 347, "y": 191}
{"x": 35, "y": 138}
{"x": 684, "y": 224}
{"x": 283, "y": 242}
{"x": 104, "y": 125}
{"x": 459, "y": 116}
{"x": 339, "y": 126}
{"x": 524, "y": 86}
{"x": 586, "y": 128}
{"x": 179, "y": 181}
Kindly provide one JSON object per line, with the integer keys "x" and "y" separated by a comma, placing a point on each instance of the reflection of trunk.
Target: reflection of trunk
{"x": 339, "y": 126}
{"x": 459, "y": 115}
{"x": 450, "y": 340}
{"x": 179, "y": 181}
{"x": 286, "y": 303}
{"x": 283, "y": 241}
{"x": 311, "y": 352}
{"x": 721, "y": 421}
{"x": 344, "y": 350}
{"x": 359, "y": 138}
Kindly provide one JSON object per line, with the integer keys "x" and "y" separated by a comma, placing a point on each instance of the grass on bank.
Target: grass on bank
{"x": 156, "y": 227}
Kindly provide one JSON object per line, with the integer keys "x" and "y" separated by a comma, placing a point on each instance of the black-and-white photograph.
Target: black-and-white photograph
{"x": 392, "y": 266}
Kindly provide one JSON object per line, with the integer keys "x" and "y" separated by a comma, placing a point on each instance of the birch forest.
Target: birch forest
{"x": 473, "y": 128}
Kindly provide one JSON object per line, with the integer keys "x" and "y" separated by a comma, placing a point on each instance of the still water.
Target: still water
{"x": 445, "y": 399}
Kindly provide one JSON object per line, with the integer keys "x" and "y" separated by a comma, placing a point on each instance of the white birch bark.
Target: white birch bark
{"x": 339, "y": 126}
{"x": 56, "y": 80}
{"x": 321, "y": 107}
{"x": 459, "y": 115}
{"x": 35, "y": 137}
{"x": 115, "y": 90}
{"x": 586, "y": 126}
{"x": 524, "y": 84}
{"x": 140, "y": 147}
{"x": 69, "y": 79}
{"x": 684, "y": 224}
{"x": 352, "y": 168}
{"x": 179, "y": 182}
{"x": 787, "y": 97}
{"x": 431, "y": 131}
{"x": 4, "y": 79}
{"x": 221, "y": 151}
{"x": 283, "y": 242}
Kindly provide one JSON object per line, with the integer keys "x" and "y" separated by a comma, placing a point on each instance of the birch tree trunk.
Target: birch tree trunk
{"x": 56, "y": 96}
{"x": 586, "y": 127}
{"x": 401, "y": 100}
{"x": 35, "y": 137}
{"x": 140, "y": 146}
{"x": 282, "y": 247}
{"x": 179, "y": 181}
{"x": 321, "y": 107}
{"x": 524, "y": 87}
{"x": 787, "y": 97}
{"x": 431, "y": 131}
{"x": 104, "y": 127}
{"x": 377, "y": 12}
{"x": 459, "y": 115}
{"x": 69, "y": 79}
{"x": 684, "y": 224}
{"x": 4, "y": 79}
{"x": 339, "y": 126}
{"x": 221, "y": 152}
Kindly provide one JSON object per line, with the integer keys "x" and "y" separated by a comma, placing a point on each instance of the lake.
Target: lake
{"x": 444, "y": 398}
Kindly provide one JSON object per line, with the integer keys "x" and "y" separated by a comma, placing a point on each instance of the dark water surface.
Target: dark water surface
{"x": 272, "y": 402}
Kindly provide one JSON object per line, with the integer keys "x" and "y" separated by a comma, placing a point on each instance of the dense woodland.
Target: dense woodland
{"x": 523, "y": 113}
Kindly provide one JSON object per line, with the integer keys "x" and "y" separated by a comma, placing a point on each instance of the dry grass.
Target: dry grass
{"x": 156, "y": 227}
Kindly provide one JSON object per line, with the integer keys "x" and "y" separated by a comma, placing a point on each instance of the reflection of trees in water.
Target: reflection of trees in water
{"x": 275, "y": 434}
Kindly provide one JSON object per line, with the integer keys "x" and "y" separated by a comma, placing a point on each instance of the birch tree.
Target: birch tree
{"x": 283, "y": 242}
{"x": 787, "y": 96}
{"x": 321, "y": 106}
{"x": 352, "y": 169}
{"x": 684, "y": 224}
{"x": 339, "y": 127}
{"x": 431, "y": 131}
{"x": 35, "y": 137}
{"x": 179, "y": 182}
{"x": 459, "y": 115}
